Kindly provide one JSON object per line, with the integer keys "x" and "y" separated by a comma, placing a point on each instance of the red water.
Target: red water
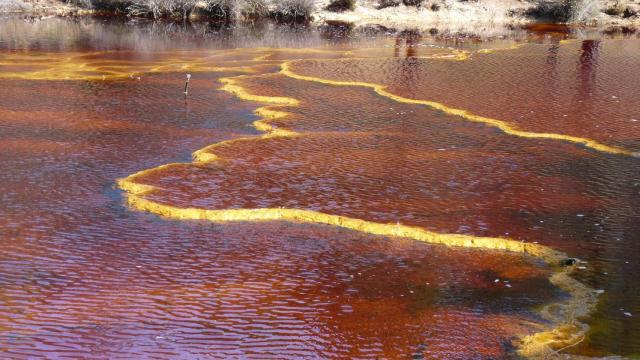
{"x": 85, "y": 276}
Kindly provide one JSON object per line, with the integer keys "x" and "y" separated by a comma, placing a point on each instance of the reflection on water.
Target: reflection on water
{"x": 85, "y": 276}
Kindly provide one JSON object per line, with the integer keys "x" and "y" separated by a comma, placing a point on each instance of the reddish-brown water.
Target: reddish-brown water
{"x": 85, "y": 276}
{"x": 588, "y": 87}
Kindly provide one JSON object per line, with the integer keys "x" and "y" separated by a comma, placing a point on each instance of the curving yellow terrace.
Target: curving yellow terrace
{"x": 566, "y": 329}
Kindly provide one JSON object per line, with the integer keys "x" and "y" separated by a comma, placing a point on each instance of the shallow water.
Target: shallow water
{"x": 87, "y": 102}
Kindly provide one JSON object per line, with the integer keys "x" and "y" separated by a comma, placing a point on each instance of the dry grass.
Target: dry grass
{"x": 160, "y": 8}
{"x": 293, "y": 10}
{"x": 254, "y": 9}
{"x": 11, "y": 6}
{"x": 217, "y": 9}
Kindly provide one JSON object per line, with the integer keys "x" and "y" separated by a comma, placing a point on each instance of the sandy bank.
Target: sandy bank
{"x": 460, "y": 15}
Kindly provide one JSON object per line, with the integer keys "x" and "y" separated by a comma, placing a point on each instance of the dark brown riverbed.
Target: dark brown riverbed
{"x": 85, "y": 276}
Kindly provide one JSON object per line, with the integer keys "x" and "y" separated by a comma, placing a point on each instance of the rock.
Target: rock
{"x": 569, "y": 262}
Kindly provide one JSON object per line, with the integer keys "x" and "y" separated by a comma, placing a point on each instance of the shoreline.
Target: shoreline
{"x": 467, "y": 16}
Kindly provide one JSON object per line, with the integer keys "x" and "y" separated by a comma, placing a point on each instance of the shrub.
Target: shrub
{"x": 222, "y": 9}
{"x": 164, "y": 8}
{"x": 11, "y": 6}
{"x": 150, "y": 8}
{"x": 566, "y": 10}
{"x": 629, "y": 12}
{"x": 341, "y": 5}
{"x": 617, "y": 9}
{"x": 87, "y": 4}
{"x": 293, "y": 10}
{"x": 253, "y": 9}
{"x": 553, "y": 11}
{"x": 415, "y": 3}
{"x": 116, "y": 6}
{"x": 387, "y": 3}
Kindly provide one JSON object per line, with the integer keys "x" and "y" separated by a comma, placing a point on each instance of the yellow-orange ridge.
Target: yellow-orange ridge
{"x": 502, "y": 125}
{"x": 566, "y": 329}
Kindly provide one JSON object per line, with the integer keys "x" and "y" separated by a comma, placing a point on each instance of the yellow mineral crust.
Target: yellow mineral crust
{"x": 564, "y": 330}
{"x": 79, "y": 68}
{"x": 98, "y": 65}
{"x": 266, "y": 113}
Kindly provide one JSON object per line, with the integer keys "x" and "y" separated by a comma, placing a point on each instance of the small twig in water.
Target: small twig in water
{"x": 186, "y": 85}
{"x": 557, "y": 352}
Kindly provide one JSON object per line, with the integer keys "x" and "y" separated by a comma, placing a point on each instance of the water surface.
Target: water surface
{"x": 87, "y": 102}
